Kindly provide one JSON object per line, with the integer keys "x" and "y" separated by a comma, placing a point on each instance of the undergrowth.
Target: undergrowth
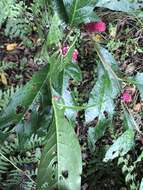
{"x": 87, "y": 84}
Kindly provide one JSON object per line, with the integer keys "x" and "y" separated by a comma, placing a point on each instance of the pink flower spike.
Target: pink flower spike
{"x": 95, "y": 26}
{"x": 126, "y": 97}
{"x": 100, "y": 26}
{"x": 64, "y": 50}
{"x": 75, "y": 55}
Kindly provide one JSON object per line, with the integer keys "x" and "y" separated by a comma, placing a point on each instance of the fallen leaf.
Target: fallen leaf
{"x": 11, "y": 47}
{"x": 130, "y": 69}
{"x": 113, "y": 32}
{"x": 98, "y": 38}
{"x": 137, "y": 107}
{"x": 3, "y": 78}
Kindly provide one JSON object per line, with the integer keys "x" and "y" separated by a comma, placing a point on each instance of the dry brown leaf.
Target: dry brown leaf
{"x": 11, "y": 47}
{"x": 130, "y": 69}
{"x": 113, "y": 32}
{"x": 137, "y": 107}
{"x": 3, "y": 78}
{"x": 98, "y": 38}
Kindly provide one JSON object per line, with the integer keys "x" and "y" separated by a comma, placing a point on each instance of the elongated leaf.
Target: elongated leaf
{"x": 72, "y": 71}
{"x": 139, "y": 83}
{"x": 54, "y": 35}
{"x": 36, "y": 118}
{"x": 122, "y": 5}
{"x": 101, "y": 96}
{"x": 106, "y": 88}
{"x": 121, "y": 146}
{"x": 125, "y": 142}
{"x": 75, "y": 12}
{"x": 23, "y": 99}
{"x": 95, "y": 133}
{"x": 141, "y": 185}
{"x": 65, "y": 70}
{"x": 59, "y": 7}
{"x": 80, "y": 11}
{"x": 60, "y": 165}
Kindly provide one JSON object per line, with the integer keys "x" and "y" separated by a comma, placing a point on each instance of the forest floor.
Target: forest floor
{"x": 124, "y": 38}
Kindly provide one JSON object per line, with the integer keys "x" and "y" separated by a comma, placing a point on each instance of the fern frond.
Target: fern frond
{"x": 6, "y": 95}
{"x": 34, "y": 142}
{"x": 6, "y": 65}
{"x": 5, "y": 6}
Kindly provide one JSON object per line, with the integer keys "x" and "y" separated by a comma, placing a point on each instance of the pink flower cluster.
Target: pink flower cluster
{"x": 90, "y": 27}
{"x": 126, "y": 97}
{"x": 95, "y": 26}
{"x": 64, "y": 51}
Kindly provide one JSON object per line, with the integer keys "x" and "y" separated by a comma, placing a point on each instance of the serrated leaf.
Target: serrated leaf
{"x": 61, "y": 163}
{"x": 22, "y": 99}
{"x": 122, "y": 5}
{"x": 139, "y": 83}
{"x": 121, "y": 146}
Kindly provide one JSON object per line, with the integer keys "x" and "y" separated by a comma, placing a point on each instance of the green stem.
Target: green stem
{"x": 63, "y": 106}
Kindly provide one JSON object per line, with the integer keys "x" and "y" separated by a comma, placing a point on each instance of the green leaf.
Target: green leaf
{"x": 58, "y": 7}
{"x": 65, "y": 70}
{"x": 101, "y": 96}
{"x": 121, "y": 146}
{"x": 95, "y": 133}
{"x": 61, "y": 164}
{"x": 106, "y": 88}
{"x": 54, "y": 35}
{"x": 7, "y": 9}
{"x": 129, "y": 122}
{"x": 23, "y": 99}
{"x": 36, "y": 118}
{"x": 139, "y": 83}
{"x": 72, "y": 71}
{"x": 126, "y": 141}
{"x": 80, "y": 11}
{"x": 122, "y": 5}
{"x": 75, "y": 12}
{"x": 141, "y": 185}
